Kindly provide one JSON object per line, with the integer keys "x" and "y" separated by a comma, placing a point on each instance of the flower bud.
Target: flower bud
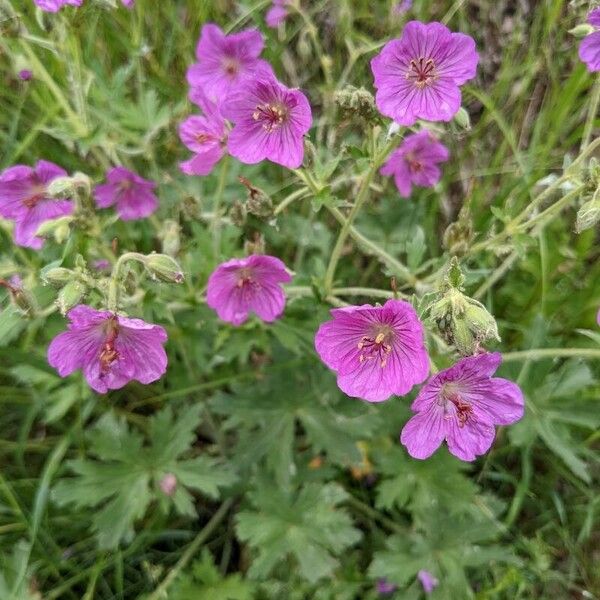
{"x": 258, "y": 203}
{"x": 238, "y": 214}
{"x": 61, "y": 187}
{"x": 171, "y": 241}
{"x": 71, "y": 295}
{"x": 58, "y": 276}
{"x": 582, "y": 30}
{"x": 462, "y": 119}
{"x": 589, "y": 214}
{"x": 164, "y": 268}
{"x": 356, "y": 102}
{"x": 459, "y": 235}
{"x": 168, "y": 484}
{"x": 59, "y": 228}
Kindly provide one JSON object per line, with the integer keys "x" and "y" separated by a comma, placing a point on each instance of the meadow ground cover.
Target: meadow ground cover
{"x": 299, "y": 300}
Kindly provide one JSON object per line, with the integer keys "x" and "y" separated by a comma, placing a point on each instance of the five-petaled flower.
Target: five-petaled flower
{"x": 416, "y": 162}
{"x": 110, "y": 349}
{"x": 377, "y": 351}
{"x": 270, "y": 122}
{"x": 589, "y": 49}
{"x": 277, "y": 14}
{"x": 56, "y": 5}
{"x": 418, "y": 76}
{"x": 205, "y": 135}
{"x": 24, "y": 199}
{"x": 244, "y": 285}
{"x": 133, "y": 195}
{"x": 224, "y": 61}
{"x": 461, "y": 405}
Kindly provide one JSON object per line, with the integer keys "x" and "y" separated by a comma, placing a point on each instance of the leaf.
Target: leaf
{"x": 12, "y": 323}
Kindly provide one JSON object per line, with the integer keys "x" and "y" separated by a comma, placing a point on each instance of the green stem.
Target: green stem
{"x": 289, "y": 199}
{"x": 115, "y": 279}
{"x": 591, "y": 115}
{"x": 361, "y": 291}
{"x": 216, "y": 223}
{"x": 542, "y": 353}
{"x": 161, "y": 591}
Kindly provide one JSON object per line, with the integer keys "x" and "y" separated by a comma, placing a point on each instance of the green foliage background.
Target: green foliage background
{"x": 287, "y": 489}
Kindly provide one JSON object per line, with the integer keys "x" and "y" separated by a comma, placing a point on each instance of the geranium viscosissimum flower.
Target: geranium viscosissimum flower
{"x": 461, "y": 405}
{"x": 244, "y": 285}
{"x": 415, "y": 162}
{"x": 277, "y": 14}
{"x": 133, "y": 195}
{"x": 589, "y": 48}
{"x": 205, "y": 135}
{"x": 224, "y": 61}
{"x": 377, "y": 351}
{"x": 402, "y": 7}
{"x": 110, "y": 349}
{"x": 56, "y": 5}
{"x": 385, "y": 588}
{"x": 418, "y": 76}
{"x": 270, "y": 122}
{"x": 24, "y": 199}
{"x": 428, "y": 581}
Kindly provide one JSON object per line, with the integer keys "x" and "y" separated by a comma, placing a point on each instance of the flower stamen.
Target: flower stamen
{"x": 422, "y": 72}
{"x": 374, "y": 348}
{"x": 109, "y": 354}
{"x": 271, "y": 115}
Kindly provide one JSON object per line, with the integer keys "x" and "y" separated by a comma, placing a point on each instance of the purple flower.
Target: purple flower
{"x": 384, "y": 588}
{"x": 56, "y": 5}
{"x": 428, "y": 581}
{"x": 403, "y": 7}
{"x": 277, "y": 14}
{"x": 133, "y": 195}
{"x": 224, "y": 61}
{"x": 24, "y": 199}
{"x": 25, "y": 74}
{"x": 418, "y": 76}
{"x": 205, "y": 135}
{"x": 416, "y": 162}
{"x": 128, "y": 3}
{"x": 101, "y": 264}
{"x": 461, "y": 405}
{"x": 270, "y": 122}
{"x": 243, "y": 285}
{"x": 377, "y": 351}
{"x": 589, "y": 49}
{"x": 110, "y": 349}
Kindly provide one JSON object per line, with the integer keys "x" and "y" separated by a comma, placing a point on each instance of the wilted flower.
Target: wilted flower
{"x": 133, "y": 195}
{"x": 224, "y": 61}
{"x": 418, "y": 76}
{"x": 56, "y": 5}
{"x": 277, "y": 14}
{"x": 243, "y": 285}
{"x": 428, "y": 581}
{"x": 270, "y": 122}
{"x": 589, "y": 49}
{"x": 24, "y": 199}
{"x": 25, "y": 74}
{"x": 461, "y": 405}
{"x": 416, "y": 162}
{"x": 111, "y": 350}
{"x": 377, "y": 351}
{"x": 205, "y": 135}
{"x": 384, "y": 588}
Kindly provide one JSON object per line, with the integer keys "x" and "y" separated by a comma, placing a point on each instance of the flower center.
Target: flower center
{"x": 109, "y": 354}
{"x": 202, "y": 138}
{"x": 231, "y": 66}
{"x": 38, "y": 193}
{"x": 414, "y": 165}
{"x": 421, "y": 72}
{"x": 378, "y": 347}
{"x": 270, "y": 115}
{"x": 463, "y": 410}
{"x": 245, "y": 278}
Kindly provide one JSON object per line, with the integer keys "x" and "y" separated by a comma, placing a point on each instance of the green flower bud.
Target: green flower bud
{"x": 356, "y": 102}
{"x": 58, "y": 276}
{"x": 164, "y": 268}
{"x": 462, "y": 119}
{"x": 71, "y": 295}
{"x": 582, "y": 30}
{"x": 59, "y": 228}
{"x": 255, "y": 246}
{"x": 589, "y": 214}
{"x": 61, "y": 187}
{"x": 258, "y": 203}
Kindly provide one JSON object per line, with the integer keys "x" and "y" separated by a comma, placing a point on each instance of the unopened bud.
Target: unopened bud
{"x": 171, "y": 240}
{"x": 256, "y": 246}
{"x": 459, "y": 235}
{"x": 61, "y": 187}
{"x": 582, "y": 30}
{"x": 58, "y": 228}
{"x": 164, "y": 268}
{"x": 58, "y": 276}
{"x": 238, "y": 214}
{"x": 462, "y": 119}
{"x": 589, "y": 214}
{"x": 71, "y": 295}
{"x": 357, "y": 102}
{"x": 258, "y": 203}
{"x": 168, "y": 484}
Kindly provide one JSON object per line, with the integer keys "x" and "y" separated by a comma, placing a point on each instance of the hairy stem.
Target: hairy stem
{"x": 542, "y": 353}
{"x": 115, "y": 279}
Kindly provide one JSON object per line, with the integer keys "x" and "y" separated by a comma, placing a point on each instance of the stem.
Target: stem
{"x": 114, "y": 288}
{"x": 541, "y": 353}
{"x": 591, "y": 115}
{"x": 287, "y": 201}
{"x": 216, "y": 223}
{"x": 161, "y": 591}
{"x": 360, "y": 291}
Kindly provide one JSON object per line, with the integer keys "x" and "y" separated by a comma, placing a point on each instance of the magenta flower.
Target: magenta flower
{"x": 133, "y": 195}
{"x": 128, "y": 3}
{"x": 243, "y": 285}
{"x": 416, "y": 162}
{"x": 25, "y": 74}
{"x": 428, "y": 581}
{"x": 270, "y": 122}
{"x": 205, "y": 135}
{"x": 377, "y": 351}
{"x": 277, "y": 14}
{"x": 56, "y": 5}
{"x": 461, "y": 405}
{"x": 24, "y": 199}
{"x": 418, "y": 76}
{"x": 385, "y": 588}
{"x": 224, "y": 61}
{"x": 589, "y": 49}
{"x": 110, "y": 349}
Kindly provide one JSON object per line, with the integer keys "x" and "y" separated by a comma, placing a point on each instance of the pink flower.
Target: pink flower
{"x": 461, "y": 405}
{"x": 56, "y": 5}
{"x": 25, "y": 74}
{"x": 205, "y": 135}
{"x": 270, "y": 122}
{"x": 243, "y": 285}
{"x": 224, "y": 61}
{"x": 416, "y": 162}
{"x": 133, "y": 195}
{"x": 128, "y": 3}
{"x": 418, "y": 76}
{"x": 277, "y": 14}
{"x": 428, "y": 581}
{"x": 24, "y": 199}
{"x": 589, "y": 49}
{"x": 402, "y": 7}
{"x": 111, "y": 350}
{"x": 377, "y": 351}
{"x": 384, "y": 588}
